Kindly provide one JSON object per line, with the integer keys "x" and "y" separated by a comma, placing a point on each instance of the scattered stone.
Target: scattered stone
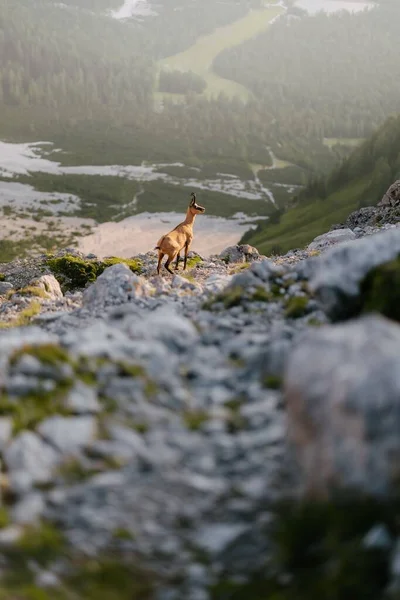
{"x": 68, "y": 434}
{"x": 82, "y": 399}
{"x": 239, "y": 254}
{"x": 29, "y": 510}
{"x": 28, "y": 456}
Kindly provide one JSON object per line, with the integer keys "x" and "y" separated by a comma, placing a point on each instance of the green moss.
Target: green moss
{"x": 238, "y": 268}
{"x": 110, "y": 579}
{"x": 123, "y": 534}
{"x": 380, "y": 291}
{"x": 273, "y": 382}
{"x": 261, "y": 295}
{"x": 24, "y": 317}
{"x": 73, "y": 272}
{"x": 49, "y": 354}
{"x": 296, "y": 307}
{"x": 4, "y": 517}
{"x": 31, "y": 290}
{"x": 192, "y": 262}
{"x": 195, "y": 419}
{"x": 2, "y": 277}
{"x": 73, "y": 471}
{"x": 105, "y": 578}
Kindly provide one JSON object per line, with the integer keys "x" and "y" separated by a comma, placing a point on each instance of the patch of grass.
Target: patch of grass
{"x": 73, "y": 272}
{"x": 123, "y": 534}
{"x": 192, "y": 262}
{"x": 195, "y": 419}
{"x": 261, "y": 295}
{"x": 24, "y": 317}
{"x": 273, "y": 382}
{"x": 31, "y": 290}
{"x": 380, "y": 291}
{"x": 318, "y": 552}
{"x": 238, "y": 268}
{"x": 49, "y": 354}
{"x": 4, "y": 517}
{"x": 103, "y": 578}
{"x": 200, "y": 56}
{"x": 296, "y": 307}
{"x": 300, "y": 225}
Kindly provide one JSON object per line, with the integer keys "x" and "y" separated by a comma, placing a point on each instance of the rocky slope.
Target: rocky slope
{"x": 185, "y": 438}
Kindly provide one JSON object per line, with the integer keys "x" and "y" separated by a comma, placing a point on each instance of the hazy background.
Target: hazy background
{"x": 247, "y": 102}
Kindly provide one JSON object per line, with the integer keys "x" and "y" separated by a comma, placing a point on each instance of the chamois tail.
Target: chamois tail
{"x": 158, "y": 246}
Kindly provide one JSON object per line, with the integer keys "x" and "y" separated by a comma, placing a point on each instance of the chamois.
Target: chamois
{"x": 179, "y": 238}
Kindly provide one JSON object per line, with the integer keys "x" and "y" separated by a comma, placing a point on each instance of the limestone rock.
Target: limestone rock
{"x": 342, "y": 388}
{"x": 392, "y": 196}
{"x": 239, "y": 254}
{"x": 331, "y": 239}
{"x": 68, "y": 434}
{"x": 337, "y": 274}
{"x": 29, "y": 456}
{"x": 50, "y": 285}
{"x": 115, "y": 285}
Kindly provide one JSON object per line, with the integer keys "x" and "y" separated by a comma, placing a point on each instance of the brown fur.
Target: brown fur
{"x": 179, "y": 238}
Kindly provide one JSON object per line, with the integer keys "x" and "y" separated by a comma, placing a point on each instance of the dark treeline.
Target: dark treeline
{"x": 326, "y": 76}
{"x": 377, "y": 161}
{"x": 86, "y": 82}
{"x": 178, "y": 82}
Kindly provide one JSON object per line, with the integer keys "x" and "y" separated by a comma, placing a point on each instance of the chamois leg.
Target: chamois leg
{"x": 177, "y": 261}
{"x": 186, "y": 255}
{"x": 160, "y": 257}
{"x": 167, "y": 265}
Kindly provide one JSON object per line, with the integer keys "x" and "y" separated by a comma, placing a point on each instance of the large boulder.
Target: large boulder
{"x": 50, "y": 285}
{"x": 337, "y": 275}
{"x": 239, "y": 254}
{"x": 342, "y": 388}
{"x": 116, "y": 285}
{"x": 392, "y": 196}
{"x": 331, "y": 239}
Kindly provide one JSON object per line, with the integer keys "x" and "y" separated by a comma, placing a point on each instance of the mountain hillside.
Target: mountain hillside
{"x": 361, "y": 180}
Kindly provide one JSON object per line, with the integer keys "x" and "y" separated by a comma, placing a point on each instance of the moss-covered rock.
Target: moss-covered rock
{"x": 296, "y": 307}
{"x": 24, "y": 317}
{"x": 74, "y": 272}
{"x": 380, "y": 290}
{"x": 103, "y": 578}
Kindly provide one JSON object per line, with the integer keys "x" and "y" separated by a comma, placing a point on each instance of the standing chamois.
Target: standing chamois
{"x": 179, "y": 238}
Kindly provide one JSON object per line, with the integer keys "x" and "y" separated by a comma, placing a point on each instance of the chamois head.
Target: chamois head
{"x": 195, "y": 208}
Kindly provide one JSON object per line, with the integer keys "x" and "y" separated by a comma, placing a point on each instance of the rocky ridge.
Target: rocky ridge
{"x": 153, "y": 429}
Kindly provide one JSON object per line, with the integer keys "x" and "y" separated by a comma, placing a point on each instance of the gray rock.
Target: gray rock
{"x": 378, "y": 538}
{"x": 239, "y": 254}
{"x": 215, "y": 538}
{"x": 28, "y": 510}
{"x": 342, "y": 389}
{"x": 114, "y": 286}
{"x": 338, "y": 273}
{"x": 10, "y": 535}
{"x": 5, "y": 287}
{"x": 50, "y": 285}
{"x": 68, "y": 434}
{"x": 30, "y": 458}
{"x": 82, "y": 399}
{"x": 392, "y": 195}
{"x": 332, "y": 238}
{"x": 5, "y": 432}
